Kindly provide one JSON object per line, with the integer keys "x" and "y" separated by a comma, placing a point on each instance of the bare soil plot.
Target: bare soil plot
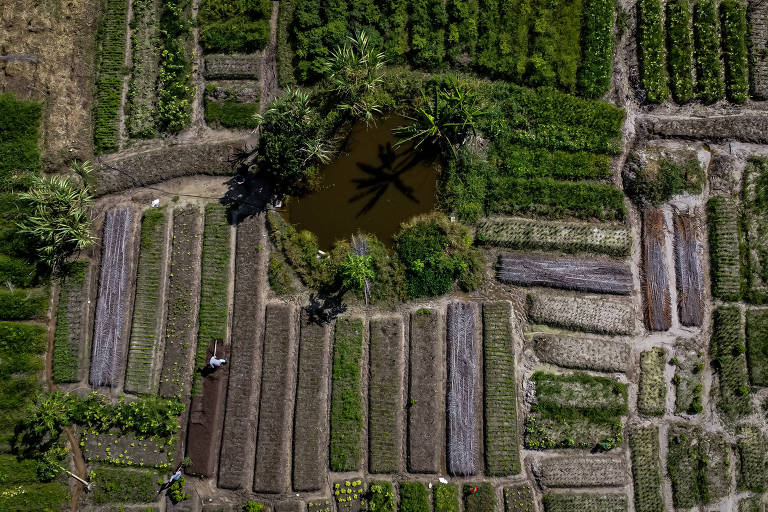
{"x": 688, "y": 274}
{"x": 582, "y": 313}
{"x": 658, "y": 309}
{"x": 462, "y": 375}
{"x": 582, "y": 353}
{"x": 206, "y": 416}
{"x": 385, "y": 395}
{"x": 346, "y": 395}
{"x": 182, "y": 303}
{"x": 426, "y": 425}
{"x": 646, "y": 468}
{"x": 239, "y": 436}
{"x": 110, "y": 321}
{"x": 502, "y": 452}
{"x": 278, "y": 391}
{"x": 310, "y": 427}
{"x": 581, "y": 274}
{"x": 583, "y": 471}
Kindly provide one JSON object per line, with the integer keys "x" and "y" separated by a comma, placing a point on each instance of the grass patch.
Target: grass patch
{"x": 414, "y": 497}
{"x": 346, "y": 400}
{"x": 757, "y": 346}
{"x": 19, "y": 132}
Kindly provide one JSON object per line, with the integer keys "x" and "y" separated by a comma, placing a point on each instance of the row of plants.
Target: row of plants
{"x": 579, "y": 313}
{"x": 142, "y": 87}
{"x": 22, "y": 490}
{"x": 725, "y": 248}
{"x": 755, "y": 229}
{"x": 757, "y": 346}
{"x": 346, "y": 398}
{"x": 19, "y": 132}
{"x": 727, "y": 354}
{"x": 651, "y": 55}
{"x": 234, "y": 26}
{"x": 174, "y": 104}
{"x": 733, "y": 14}
{"x": 109, "y": 77}
{"x": 646, "y": 469}
{"x": 584, "y": 502}
{"x": 70, "y": 334}
{"x": 519, "y": 161}
{"x": 225, "y": 108}
{"x": 680, "y": 44}
{"x": 709, "y": 70}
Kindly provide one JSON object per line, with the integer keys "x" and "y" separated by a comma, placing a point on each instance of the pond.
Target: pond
{"x": 371, "y": 187}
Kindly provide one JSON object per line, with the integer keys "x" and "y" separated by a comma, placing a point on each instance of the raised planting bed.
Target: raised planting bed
{"x": 651, "y": 51}
{"x": 756, "y": 230}
{"x": 652, "y": 392}
{"x": 126, "y": 450}
{"x": 502, "y": 451}
{"x": 142, "y": 89}
{"x": 239, "y": 437}
{"x": 585, "y": 502}
{"x": 751, "y": 504}
{"x": 232, "y": 104}
{"x": 462, "y": 376}
{"x": 310, "y": 451}
{"x": 580, "y": 391}
{"x": 479, "y": 497}
{"x": 278, "y": 390}
{"x": 380, "y": 496}
{"x": 72, "y": 315}
{"x": 752, "y": 474}
{"x": 726, "y": 351}
{"x": 206, "y": 415}
{"x": 680, "y": 47}
{"x": 385, "y": 395}
{"x": 141, "y": 375}
{"x": 414, "y": 497}
{"x": 688, "y": 274}
{"x": 685, "y": 468}
{"x": 583, "y": 471}
{"x": 571, "y": 237}
{"x": 109, "y": 327}
{"x": 519, "y": 498}
{"x": 646, "y": 469}
{"x": 709, "y": 70}
{"x": 214, "y": 285}
{"x": 426, "y": 425}
{"x": 724, "y": 248}
{"x": 757, "y": 15}
{"x": 689, "y": 381}
{"x": 231, "y": 66}
{"x": 655, "y": 290}
{"x": 579, "y": 274}
{"x": 715, "y": 449}
{"x": 582, "y": 313}
{"x": 182, "y": 303}
{"x": 757, "y": 346}
{"x": 446, "y": 498}
{"x": 582, "y": 353}
{"x": 350, "y": 495}
{"x": 346, "y": 397}
{"x": 122, "y": 485}
{"x": 733, "y": 22}
{"x": 109, "y": 79}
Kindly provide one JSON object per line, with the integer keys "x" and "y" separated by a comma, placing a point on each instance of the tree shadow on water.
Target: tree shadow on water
{"x": 388, "y": 173}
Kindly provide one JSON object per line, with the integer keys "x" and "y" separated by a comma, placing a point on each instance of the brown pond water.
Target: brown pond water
{"x": 371, "y": 187}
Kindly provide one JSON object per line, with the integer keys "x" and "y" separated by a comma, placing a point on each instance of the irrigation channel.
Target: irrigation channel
{"x": 371, "y": 187}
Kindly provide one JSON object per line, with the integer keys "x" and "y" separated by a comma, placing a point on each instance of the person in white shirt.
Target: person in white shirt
{"x": 215, "y": 362}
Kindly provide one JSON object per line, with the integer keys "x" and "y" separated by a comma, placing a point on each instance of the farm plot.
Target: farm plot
{"x": 658, "y": 308}
{"x": 145, "y": 342}
{"x": 651, "y": 54}
{"x": 519, "y": 498}
{"x": 278, "y": 381}
{"x": 413, "y": 497}
{"x": 234, "y": 27}
{"x": 726, "y": 351}
{"x": 122, "y": 485}
{"x": 232, "y": 104}
{"x": 310, "y": 452}
{"x": 241, "y": 418}
{"x": 757, "y": 346}
{"x": 142, "y": 88}
{"x": 32, "y": 304}
{"x": 646, "y": 468}
{"x": 582, "y": 353}
{"x": 425, "y": 414}
{"x": 689, "y": 380}
{"x": 214, "y": 285}
{"x": 570, "y": 237}
{"x": 502, "y": 454}
{"x": 688, "y": 249}
{"x": 569, "y": 273}
{"x": 582, "y": 313}
{"x": 206, "y": 416}
{"x": 751, "y": 504}
{"x": 481, "y": 500}
{"x": 182, "y": 303}
{"x": 350, "y": 495}
{"x": 460, "y": 402}
{"x": 446, "y": 498}
{"x": 652, "y": 392}
{"x": 724, "y": 247}
{"x": 109, "y": 79}
{"x": 583, "y": 502}
{"x": 757, "y": 14}
{"x": 113, "y": 300}
{"x": 733, "y": 14}
{"x": 385, "y": 395}
{"x": 752, "y": 474}
{"x": 684, "y": 464}
{"x": 231, "y": 67}
{"x": 346, "y": 397}
{"x": 756, "y": 229}
{"x": 583, "y": 471}
{"x": 716, "y": 453}
{"x": 126, "y": 450}
{"x": 72, "y": 315}
{"x": 709, "y": 70}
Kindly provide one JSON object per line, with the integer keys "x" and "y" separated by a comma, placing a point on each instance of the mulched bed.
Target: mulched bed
{"x": 182, "y": 301}
{"x": 658, "y": 308}
{"x": 385, "y": 395}
{"x": 426, "y": 424}
{"x": 690, "y": 285}
{"x": 206, "y": 416}
{"x": 239, "y": 436}
{"x": 582, "y": 353}
{"x": 583, "y": 471}
{"x": 310, "y": 449}
{"x": 278, "y": 381}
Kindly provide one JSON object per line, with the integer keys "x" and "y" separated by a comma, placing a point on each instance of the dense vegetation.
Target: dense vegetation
{"x": 19, "y": 155}
{"x": 109, "y": 79}
{"x": 175, "y": 92}
{"x": 223, "y": 108}
{"x": 680, "y": 44}
{"x": 706, "y": 29}
{"x": 658, "y": 180}
{"x": 231, "y": 26}
{"x": 650, "y": 44}
{"x": 734, "y": 29}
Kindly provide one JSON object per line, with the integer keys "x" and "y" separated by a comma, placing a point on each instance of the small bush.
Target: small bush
{"x": 656, "y": 182}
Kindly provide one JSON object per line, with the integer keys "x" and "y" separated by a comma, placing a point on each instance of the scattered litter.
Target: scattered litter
{"x": 442, "y": 480}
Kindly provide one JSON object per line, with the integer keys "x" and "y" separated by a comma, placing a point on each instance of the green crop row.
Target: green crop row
{"x": 142, "y": 88}
{"x": 69, "y": 335}
{"x": 22, "y": 304}
{"x": 19, "y": 125}
{"x": 757, "y": 346}
{"x": 585, "y": 502}
{"x": 346, "y": 398}
{"x": 755, "y": 229}
{"x": 175, "y": 96}
{"x": 232, "y": 26}
{"x": 725, "y": 248}
{"x": 650, "y": 44}
{"x": 285, "y": 75}
{"x": 414, "y": 497}
{"x": 652, "y": 393}
{"x": 733, "y": 15}
{"x": 680, "y": 49}
{"x": 109, "y": 78}
{"x": 597, "y": 40}
{"x": 706, "y": 29}
{"x": 752, "y": 474}
{"x": 646, "y": 469}
{"x": 519, "y": 161}
{"x": 446, "y": 498}
{"x": 479, "y": 497}
{"x": 727, "y": 354}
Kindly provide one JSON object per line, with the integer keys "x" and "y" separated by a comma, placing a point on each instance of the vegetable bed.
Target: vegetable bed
{"x": 460, "y": 406}
{"x": 646, "y": 469}
{"x": 72, "y": 315}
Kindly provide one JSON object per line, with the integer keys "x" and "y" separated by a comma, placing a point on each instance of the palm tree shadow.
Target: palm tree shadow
{"x": 388, "y": 173}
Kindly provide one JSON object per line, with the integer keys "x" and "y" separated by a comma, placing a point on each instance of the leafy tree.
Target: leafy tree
{"x": 356, "y": 273}
{"x": 59, "y": 225}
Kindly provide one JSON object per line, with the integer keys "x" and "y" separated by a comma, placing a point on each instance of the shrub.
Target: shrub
{"x": 428, "y": 19}
{"x": 413, "y": 497}
{"x": 19, "y": 123}
{"x": 650, "y": 44}
{"x": 706, "y": 29}
{"x": 733, "y": 15}
{"x": 680, "y": 49}
{"x": 597, "y": 48}
{"x": 109, "y": 78}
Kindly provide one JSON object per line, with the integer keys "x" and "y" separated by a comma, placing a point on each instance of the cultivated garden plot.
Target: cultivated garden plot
{"x": 346, "y": 397}
{"x": 126, "y": 450}
{"x": 652, "y": 392}
{"x": 688, "y": 269}
{"x": 519, "y": 498}
{"x": 646, "y": 468}
{"x": 751, "y": 466}
{"x": 582, "y": 353}
{"x": 726, "y": 352}
{"x": 583, "y": 502}
{"x": 724, "y": 244}
{"x": 72, "y": 322}
{"x": 757, "y": 346}
{"x": 756, "y": 230}
{"x": 689, "y": 381}
{"x": 658, "y": 308}
{"x": 582, "y": 313}
{"x": 583, "y": 471}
